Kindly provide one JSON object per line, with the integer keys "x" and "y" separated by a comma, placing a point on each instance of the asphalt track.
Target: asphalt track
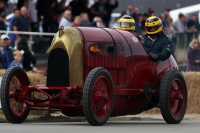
{"x": 154, "y": 126}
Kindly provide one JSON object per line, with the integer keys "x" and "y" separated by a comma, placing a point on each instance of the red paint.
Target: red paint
{"x": 123, "y": 55}
{"x": 176, "y": 96}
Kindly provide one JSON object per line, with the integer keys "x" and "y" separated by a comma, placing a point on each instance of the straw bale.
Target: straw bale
{"x": 34, "y": 77}
{"x": 193, "y": 86}
{"x": 192, "y": 81}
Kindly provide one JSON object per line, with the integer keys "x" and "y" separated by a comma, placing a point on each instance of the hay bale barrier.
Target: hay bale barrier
{"x": 34, "y": 77}
{"x": 193, "y": 86}
{"x": 192, "y": 81}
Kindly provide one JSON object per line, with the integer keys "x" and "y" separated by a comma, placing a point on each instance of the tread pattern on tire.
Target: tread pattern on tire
{"x": 4, "y": 96}
{"x": 163, "y": 99}
{"x": 86, "y": 96}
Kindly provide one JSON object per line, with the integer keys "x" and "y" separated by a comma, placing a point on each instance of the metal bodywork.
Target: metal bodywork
{"x": 118, "y": 74}
{"x": 122, "y": 54}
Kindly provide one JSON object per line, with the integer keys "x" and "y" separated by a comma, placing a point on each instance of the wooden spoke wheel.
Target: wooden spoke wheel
{"x": 13, "y": 81}
{"x": 98, "y": 96}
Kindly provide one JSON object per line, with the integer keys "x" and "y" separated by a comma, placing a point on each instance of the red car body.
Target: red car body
{"x": 119, "y": 54}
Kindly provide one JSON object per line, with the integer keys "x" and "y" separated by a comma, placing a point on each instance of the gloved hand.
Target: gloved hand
{"x": 153, "y": 56}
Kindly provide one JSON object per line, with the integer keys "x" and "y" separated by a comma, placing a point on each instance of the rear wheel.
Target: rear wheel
{"x": 14, "y": 80}
{"x": 98, "y": 96}
{"x": 173, "y": 97}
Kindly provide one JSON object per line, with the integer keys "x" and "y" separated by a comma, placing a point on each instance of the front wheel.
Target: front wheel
{"x": 98, "y": 96}
{"x": 14, "y": 80}
{"x": 173, "y": 97}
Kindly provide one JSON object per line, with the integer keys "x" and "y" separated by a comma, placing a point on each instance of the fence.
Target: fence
{"x": 40, "y": 41}
{"x": 181, "y": 42}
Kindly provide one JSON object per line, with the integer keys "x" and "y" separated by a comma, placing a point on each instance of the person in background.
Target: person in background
{"x": 128, "y": 11}
{"x": 139, "y": 27}
{"x": 77, "y": 7}
{"x": 115, "y": 24}
{"x": 77, "y": 21}
{"x": 191, "y": 23}
{"x": 33, "y": 15}
{"x": 193, "y": 56}
{"x": 169, "y": 29}
{"x": 136, "y": 12}
{"x": 66, "y": 19}
{"x": 98, "y": 9}
{"x": 99, "y": 22}
{"x": 6, "y": 51}
{"x": 3, "y": 8}
{"x": 2, "y": 62}
{"x": 22, "y": 23}
{"x": 179, "y": 24}
{"x": 2, "y": 24}
{"x": 28, "y": 56}
{"x": 50, "y": 22}
{"x": 11, "y": 35}
{"x": 109, "y": 7}
{"x": 17, "y": 59}
{"x": 86, "y": 22}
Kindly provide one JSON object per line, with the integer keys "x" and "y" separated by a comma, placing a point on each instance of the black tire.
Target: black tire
{"x": 13, "y": 81}
{"x": 173, "y": 96}
{"x": 98, "y": 96}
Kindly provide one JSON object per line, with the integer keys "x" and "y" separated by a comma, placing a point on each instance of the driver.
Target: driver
{"x": 155, "y": 42}
{"x": 126, "y": 23}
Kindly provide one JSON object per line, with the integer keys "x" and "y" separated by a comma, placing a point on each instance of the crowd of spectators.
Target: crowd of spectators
{"x": 49, "y": 15}
{"x": 20, "y": 56}
{"x": 53, "y": 14}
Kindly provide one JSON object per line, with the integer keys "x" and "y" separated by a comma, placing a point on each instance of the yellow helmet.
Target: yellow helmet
{"x": 153, "y": 25}
{"x": 127, "y": 23}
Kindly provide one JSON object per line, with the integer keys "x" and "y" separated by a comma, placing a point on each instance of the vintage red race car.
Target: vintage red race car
{"x": 97, "y": 73}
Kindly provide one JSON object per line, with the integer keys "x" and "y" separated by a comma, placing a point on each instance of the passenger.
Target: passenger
{"x": 126, "y": 23}
{"x": 156, "y": 43}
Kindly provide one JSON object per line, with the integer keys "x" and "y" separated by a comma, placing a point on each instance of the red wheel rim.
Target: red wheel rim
{"x": 177, "y": 97}
{"x": 16, "y": 83}
{"x": 101, "y": 97}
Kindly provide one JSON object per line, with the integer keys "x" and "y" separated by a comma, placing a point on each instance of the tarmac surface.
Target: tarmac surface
{"x": 150, "y": 126}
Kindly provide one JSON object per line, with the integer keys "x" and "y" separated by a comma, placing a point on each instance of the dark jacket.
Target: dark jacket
{"x": 2, "y": 62}
{"x": 161, "y": 46}
{"x": 28, "y": 58}
{"x": 10, "y": 57}
{"x": 10, "y": 54}
{"x": 109, "y": 8}
{"x": 192, "y": 56}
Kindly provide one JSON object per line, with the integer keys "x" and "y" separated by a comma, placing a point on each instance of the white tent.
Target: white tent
{"x": 0, "y": 88}
{"x": 199, "y": 17}
{"x": 184, "y": 10}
